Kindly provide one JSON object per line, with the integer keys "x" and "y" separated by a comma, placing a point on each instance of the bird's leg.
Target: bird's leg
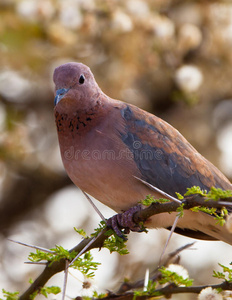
{"x": 125, "y": 221}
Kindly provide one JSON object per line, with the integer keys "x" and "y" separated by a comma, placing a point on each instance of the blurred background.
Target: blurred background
{"x": 172, "y": 58}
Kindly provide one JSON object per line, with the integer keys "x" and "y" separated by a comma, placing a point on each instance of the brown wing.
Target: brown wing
{"x": 164, "y": 157}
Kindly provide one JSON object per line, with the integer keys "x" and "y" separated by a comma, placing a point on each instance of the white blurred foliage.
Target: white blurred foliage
{"x": 33, "y": 9}
{"x": 222, "y": 113}
{"x": 162, "y": 26}
{"x": 209, "y": 294}
{"x": 70, "y": 14}
{"x": 67, "y": 209}
{"x": 189, "y": 37}
{"x": 188, "y": 12}
{"x": 221, "y": 19}
{"x": 188, "y": 78}
{"x": 121, "y": 22}
{"x": 137, "y": 8}
{"x": 87, "y": 4}
{"x": 223, "y": 124}
{"x": 227, "y": 34}
{"x": 224, "y": 142}
{"x": 27, "y": 9}
{"x": 13, "y": 86}
{"x": 12, "y": 266}
{"x": 227, "y": 295}
{"x": 179, "y": 270}
{"x": 220, "y": 13}
{"x": 58, "y": 214}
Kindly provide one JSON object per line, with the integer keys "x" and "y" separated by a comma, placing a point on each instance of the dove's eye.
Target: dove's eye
{"x": 82, "y": 79}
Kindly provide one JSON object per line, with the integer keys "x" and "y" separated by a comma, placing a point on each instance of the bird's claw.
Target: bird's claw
{"x": 123, "y": 223}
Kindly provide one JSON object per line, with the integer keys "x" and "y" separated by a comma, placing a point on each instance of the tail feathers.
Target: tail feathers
{"x": 196, "y": 225}
{"x": 217, "y": 231}
{"x": 205, "y": 227}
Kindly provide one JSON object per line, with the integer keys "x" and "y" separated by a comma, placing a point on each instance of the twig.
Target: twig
{"x": 140, "y": 216}
{"x": 36, "y": 263}
{"x": 169, "y": 290}
{"x": 65, "y": 280}
{"x": 58, "y": 266}
{"x": 177, "y": 251}
{"x": 225, "y": 203}
{"x": 33, "y": 246}
{"x": 188, "y": 203}
{"x": 146, "y": 280}
{"x": 94, "y": 206}
{"x": 155, "y": 274}
{"x": 83, "y": 250}
{"x": 154, "y": 188}
{"x": 168, "y": 239}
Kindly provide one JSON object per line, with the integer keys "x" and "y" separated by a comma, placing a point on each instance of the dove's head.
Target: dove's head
{"x": 75, "y": 86}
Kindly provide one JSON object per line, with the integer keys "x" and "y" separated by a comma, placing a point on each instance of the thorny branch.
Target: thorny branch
{"x": 189, "y": 202}
{"x": 173, "y": 258}
{"x": 168, "y": 290}
{"x": 138, "y": 217}
{"x": 58, "y": 266}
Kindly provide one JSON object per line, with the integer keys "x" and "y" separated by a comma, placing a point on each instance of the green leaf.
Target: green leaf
{"x": 10, "y": 295}
{"x": 114, "y": 243}
{"x": 99, "y": 296}
{"x": 217, "y": 194}
{"x": 150, "y": 199}
{"x": 50, "y": 290}
{"x": 220, "y": 219}
{"x": 84, "y": 263}
{"x": 101, "y": 226}
{"x": 150, "y": 291}
{"x": 226, "y": 273}
{"x": 172, "y": 277}
{"x": 195, "y": 190}
{"x": 81, "y": 232}
{"x": 180, "y": 210}
{"x": 45, "y": 291}
{"x": 219, "y": 275}
{"x": 219, "y": 216}
{"x": 179, "y": 196}
{"x": 210, "y": 211}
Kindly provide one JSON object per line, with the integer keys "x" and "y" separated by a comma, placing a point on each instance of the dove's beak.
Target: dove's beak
{"x": 59, "y": 95}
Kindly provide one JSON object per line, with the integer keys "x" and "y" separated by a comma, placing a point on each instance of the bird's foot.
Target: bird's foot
{"x": 123, "y": 223}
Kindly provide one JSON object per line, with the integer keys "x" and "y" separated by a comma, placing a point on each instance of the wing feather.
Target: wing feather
{"x": 164, "y": 157}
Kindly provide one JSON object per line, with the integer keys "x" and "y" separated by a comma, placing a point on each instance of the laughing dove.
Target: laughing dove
{"x": 105, "y": 144}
